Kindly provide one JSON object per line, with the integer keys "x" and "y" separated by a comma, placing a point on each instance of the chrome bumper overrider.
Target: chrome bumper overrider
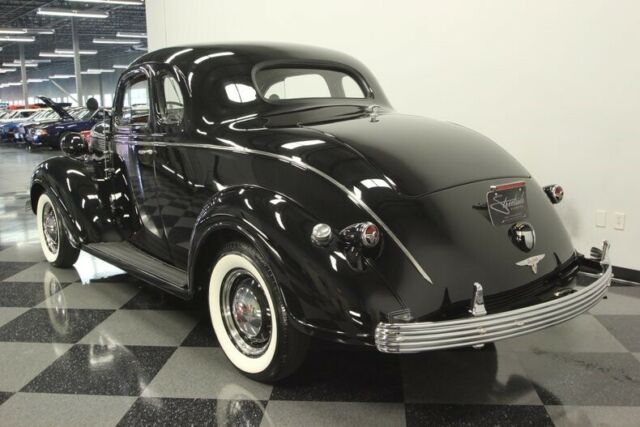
{"x": 424, "y": 336}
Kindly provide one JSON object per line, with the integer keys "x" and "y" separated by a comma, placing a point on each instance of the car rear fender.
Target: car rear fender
{"x": 322, "y": 293}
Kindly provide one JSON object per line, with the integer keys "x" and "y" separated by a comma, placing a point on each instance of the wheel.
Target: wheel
{"x": 54, "y": 241}
{"x": 249, "y": 316}
{"x": 60, "y": 139}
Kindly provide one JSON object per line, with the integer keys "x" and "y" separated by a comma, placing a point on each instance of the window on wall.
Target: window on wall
{"x": 108, "y": 100}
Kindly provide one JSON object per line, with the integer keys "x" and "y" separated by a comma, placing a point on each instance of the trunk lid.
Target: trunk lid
{"x": 422, "y": 155}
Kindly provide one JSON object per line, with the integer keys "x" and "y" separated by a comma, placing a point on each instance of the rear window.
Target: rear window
{"x": 277, "y": 84}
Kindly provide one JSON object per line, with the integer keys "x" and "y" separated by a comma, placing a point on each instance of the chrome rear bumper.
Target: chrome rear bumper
{"x": 425, "y": 336}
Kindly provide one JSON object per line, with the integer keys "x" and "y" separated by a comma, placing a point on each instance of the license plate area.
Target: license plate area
{"x": 507, "y": 203}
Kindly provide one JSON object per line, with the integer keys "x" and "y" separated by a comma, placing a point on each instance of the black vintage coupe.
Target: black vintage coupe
{"x": 276, "y": 182}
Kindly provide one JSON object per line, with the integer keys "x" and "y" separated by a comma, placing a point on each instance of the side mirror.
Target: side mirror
{"x": 73, "y": 145}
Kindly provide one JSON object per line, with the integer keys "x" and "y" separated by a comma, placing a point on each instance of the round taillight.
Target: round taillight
{"x": 369, "y": 234}
{"x": 554, "y": 192}
{"x": 558, "y": 192}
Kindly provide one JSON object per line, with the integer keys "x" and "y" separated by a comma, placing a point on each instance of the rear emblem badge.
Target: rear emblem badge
{"x": 531, "y": 262}
{"x": 523, "y": 236}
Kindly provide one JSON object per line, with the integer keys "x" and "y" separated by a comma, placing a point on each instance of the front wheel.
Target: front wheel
{"x": 54, "y": 241}
{"x": 249, "y": 316}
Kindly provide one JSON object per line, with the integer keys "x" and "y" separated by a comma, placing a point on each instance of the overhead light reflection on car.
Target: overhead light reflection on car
{"x": 298, "y": 144}
{"x": 240, "y": 92}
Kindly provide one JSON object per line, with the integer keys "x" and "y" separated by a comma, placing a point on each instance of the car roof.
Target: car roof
{"x": 205, "y": 67}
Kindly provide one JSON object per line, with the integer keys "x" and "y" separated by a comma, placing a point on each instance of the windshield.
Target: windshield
{"x": 42, "y": 114}
{"x": 25, "y": 114}
{"x": 277, "y": 84}
{"x": 81, "y": 113}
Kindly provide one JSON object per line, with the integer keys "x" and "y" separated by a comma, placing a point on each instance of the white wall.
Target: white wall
{"x": 556, "y": 82}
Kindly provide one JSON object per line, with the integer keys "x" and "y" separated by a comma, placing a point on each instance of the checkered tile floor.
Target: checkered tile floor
{"x": 92, "y": 346}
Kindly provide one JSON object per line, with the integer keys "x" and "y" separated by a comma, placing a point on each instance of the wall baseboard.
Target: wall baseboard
{"x": 626, "y": 275}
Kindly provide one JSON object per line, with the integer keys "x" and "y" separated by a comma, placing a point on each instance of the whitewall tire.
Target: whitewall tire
{"x": 53, "y": 239}
{"x": 249, "y": 317}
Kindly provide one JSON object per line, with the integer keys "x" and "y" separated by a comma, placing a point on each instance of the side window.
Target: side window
{"x": 351, "y": 88}
{"x": 173, "y": 108}
{"x": 134, "y": 107}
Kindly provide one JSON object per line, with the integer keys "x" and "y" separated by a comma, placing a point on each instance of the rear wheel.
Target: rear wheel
{"x": 53, "y": 239}
{"x": 249, "y": 316}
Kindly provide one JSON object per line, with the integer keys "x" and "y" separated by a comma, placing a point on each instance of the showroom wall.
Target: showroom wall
{"x": 554, "y": 82}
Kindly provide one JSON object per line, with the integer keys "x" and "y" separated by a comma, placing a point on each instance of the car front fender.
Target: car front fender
{"x": 76, "y": 194}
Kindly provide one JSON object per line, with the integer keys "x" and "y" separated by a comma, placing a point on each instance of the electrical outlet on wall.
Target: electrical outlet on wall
{"x": 601, "y": 218}
{"x": 618, "y": 220}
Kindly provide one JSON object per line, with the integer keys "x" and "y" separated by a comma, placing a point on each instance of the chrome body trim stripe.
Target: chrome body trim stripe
{"x": 423, "y": 336}
{"x": 299, "y": 163}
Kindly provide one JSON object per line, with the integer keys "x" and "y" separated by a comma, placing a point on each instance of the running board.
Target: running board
{"x": 142, "y": 265}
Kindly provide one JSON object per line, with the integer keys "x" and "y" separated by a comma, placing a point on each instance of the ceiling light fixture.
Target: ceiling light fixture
{"x": 122, "y": 2}
{"x": 63, "y": 76}
{"x": 80, "y": 13}
{"x": 7, "y": 70}
{"x": 115, "y": 41}
{"x": 25, "y": 31}
{"x": 55, "y": 55}
{"x": 131, "y": 35}
{"x": 81, "y": 51}
{"x": 120, "y": 66}
{"x": 19, "y": 39}
{"x": 14, "y": 64}
{"x": 37, "y": 80}
{"x": 13, "y": 31}
{"x": 101, "y": 70}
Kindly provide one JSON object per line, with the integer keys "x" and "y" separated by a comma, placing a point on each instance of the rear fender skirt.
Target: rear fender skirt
{"x": 323, "y": 295}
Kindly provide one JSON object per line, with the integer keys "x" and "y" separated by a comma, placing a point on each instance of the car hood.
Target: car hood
{"x": 422, "y": 155}
{"x": 57, "y": 108}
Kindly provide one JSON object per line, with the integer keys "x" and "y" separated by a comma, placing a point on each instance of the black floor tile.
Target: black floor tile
{"x": 8, "y": 269}
{"x": 4, "y": 396}
{"x": 192, "y": 412}
{"x": 23, "y": 294}
{"x": 595, "y": 379}
{"x": 202, "y": 335}
{"x": 44, "y": 325}
{"x": 466, "y": 375}
{"x": 332, "y": 374}
{"x": 102, "y": 369}
{"x": 150, "y": 298}
{"x": 476, "y": 415}
{"x": 626, "y": 329}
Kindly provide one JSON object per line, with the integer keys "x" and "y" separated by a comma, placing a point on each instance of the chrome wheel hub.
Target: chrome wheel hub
{"x": 50, "y": 228}
{"x": 245, "y": 312}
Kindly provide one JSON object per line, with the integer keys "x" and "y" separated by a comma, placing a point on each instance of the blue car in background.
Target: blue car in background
{"x": 49, "y": 135}
{"x": 51, "y": 117}
{"x": 10, "y": 122}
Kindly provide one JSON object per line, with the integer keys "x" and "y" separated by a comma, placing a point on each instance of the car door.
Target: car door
{"x": 180, "y": 193}
{"x": 133, "y": 142}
